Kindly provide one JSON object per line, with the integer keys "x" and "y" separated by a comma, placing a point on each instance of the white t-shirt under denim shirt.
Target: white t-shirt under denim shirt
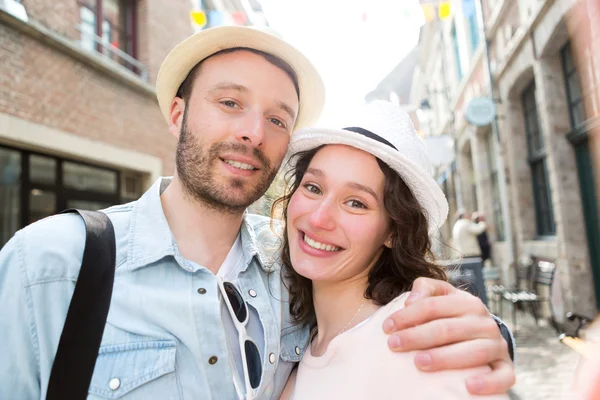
{"x": 358, "y": 364}
{"x": 231, "y": 267}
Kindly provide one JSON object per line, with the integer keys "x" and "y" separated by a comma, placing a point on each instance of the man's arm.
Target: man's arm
{"x": 19, "y": 377}
{"x": 456, "y": 330}
{"x": 477, "y": 228}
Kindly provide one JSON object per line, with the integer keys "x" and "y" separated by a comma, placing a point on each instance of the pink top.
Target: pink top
{"x": 359, "y": 365}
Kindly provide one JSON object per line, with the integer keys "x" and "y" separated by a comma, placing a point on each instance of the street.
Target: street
{"x": 544, "y": 366}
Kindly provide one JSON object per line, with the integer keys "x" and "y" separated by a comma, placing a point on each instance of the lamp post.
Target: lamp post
{"x": 496, "y": 147}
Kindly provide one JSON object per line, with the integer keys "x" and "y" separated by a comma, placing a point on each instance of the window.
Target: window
{"x": 537, "y": 161}
{"x": 496, "y": 204}
{"x": 34, "y": 186}
{"x": 10, "y": 188}
{"x": 573, "y": 86}
{"x": 457, "y": 59}
{"x": 473, "y": 30}
{"x": 116, "y": 37}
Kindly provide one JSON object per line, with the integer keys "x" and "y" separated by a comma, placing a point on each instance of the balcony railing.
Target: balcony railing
{"x": 115, "y": 54}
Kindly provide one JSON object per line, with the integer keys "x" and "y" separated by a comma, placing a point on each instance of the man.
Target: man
{"x": 482, "y": 238}
{"x": 232, "y": 97}
{"x": 464, "y": 235}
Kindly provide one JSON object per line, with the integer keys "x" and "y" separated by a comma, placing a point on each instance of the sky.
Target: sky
{"x": 353, "y": 43}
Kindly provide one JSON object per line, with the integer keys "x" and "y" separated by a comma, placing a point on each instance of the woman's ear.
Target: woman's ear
{"x": 389, "y": 242}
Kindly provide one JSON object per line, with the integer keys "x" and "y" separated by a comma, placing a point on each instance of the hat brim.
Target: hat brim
{"x": 422, "y": 185}
{"x": 201, "y": 45}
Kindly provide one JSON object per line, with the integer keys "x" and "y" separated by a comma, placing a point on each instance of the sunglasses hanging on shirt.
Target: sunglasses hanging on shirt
{"x": 251, "y": 359}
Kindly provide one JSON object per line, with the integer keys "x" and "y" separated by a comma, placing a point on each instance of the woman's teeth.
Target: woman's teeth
{"x": 239, "y": 165}
{"x": 319, "y": 246}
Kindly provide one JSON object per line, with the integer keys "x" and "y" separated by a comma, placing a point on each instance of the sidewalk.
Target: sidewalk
{"x": 544, "y": 366}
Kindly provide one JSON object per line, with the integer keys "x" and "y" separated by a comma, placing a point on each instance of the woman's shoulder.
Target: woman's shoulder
{"x": 393, "y": 306}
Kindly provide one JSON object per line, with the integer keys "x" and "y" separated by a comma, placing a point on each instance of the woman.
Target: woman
{"x": 358, "y": 215}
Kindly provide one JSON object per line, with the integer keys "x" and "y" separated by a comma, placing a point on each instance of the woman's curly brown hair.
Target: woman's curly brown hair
{"x": 397, "y": 267}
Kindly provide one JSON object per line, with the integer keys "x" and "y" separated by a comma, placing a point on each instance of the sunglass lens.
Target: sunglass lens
{"x": 236, "y": 300}
{"x": 254, "y": 363}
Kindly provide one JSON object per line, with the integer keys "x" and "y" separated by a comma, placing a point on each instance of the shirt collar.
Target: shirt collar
{"x": 152, "y": 239}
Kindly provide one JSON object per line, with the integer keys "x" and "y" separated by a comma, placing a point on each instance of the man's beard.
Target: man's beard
{"x": 195, "y": 168}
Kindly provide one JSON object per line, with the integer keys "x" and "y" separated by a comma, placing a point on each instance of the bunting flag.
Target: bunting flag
{"x": 198, "y": 18}
{"x": 216, "y": 18}
{"x": 444, "y": 10}
{"x": 428, "y": 11}
{"x": 468, "y": 8}
{"x": 239, "y": 17}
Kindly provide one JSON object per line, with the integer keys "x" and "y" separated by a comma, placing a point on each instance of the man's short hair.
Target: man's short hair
{"x": 185, "y": 89}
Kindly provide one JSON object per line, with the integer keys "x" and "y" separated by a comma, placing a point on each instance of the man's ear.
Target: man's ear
{"x": 176, "y": 116}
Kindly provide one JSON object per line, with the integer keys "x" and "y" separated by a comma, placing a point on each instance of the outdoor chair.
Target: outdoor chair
{"x": 542, "y": 275}
{"x": 523, "y": 282}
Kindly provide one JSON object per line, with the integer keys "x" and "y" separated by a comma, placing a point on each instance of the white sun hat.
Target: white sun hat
{"x": 180, "y": 61}
{"x": 387, "y": 132}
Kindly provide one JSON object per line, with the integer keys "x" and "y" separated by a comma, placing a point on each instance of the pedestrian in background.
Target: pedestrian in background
{"x": 483, "y": 238}
{"x": 464, "y": 235}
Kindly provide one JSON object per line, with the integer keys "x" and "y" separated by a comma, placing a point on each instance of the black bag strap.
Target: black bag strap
{"x": 82, "y": 333}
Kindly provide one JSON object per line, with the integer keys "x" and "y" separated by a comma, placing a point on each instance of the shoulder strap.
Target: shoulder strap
{"x": 82, "y": 333}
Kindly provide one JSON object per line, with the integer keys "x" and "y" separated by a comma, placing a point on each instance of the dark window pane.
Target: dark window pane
{"x": 84, "y": 177}
{"x": 42, "y": 169}
{"x": 574, "y": 88}
{"x": 10, "y": 189}
{"x": 535, "y": 140}
{"x": 567, "y": 56}
{"x": 577, "y": 114}
{"x": 41, "y": 204}
{"x": 543, "y": 201}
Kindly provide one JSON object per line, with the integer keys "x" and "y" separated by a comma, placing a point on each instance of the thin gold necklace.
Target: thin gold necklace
{"x": 355, "y": 315}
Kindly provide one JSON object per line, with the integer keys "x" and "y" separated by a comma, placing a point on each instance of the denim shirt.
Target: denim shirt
{"x": 161, "y": 329}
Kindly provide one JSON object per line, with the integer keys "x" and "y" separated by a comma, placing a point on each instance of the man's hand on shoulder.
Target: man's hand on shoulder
{"x": 455, "y": 331}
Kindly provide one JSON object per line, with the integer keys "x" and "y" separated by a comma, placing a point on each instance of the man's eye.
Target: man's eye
{"x": 277, "y": 122}
{"x": 356, "y": 204}
{"x": 312, "y": 188}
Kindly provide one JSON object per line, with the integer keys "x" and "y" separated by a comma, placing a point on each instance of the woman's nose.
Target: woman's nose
{"x": 323, "y": 217}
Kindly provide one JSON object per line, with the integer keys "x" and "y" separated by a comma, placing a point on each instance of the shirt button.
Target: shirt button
{"x": 297, "y": 350}
{"x": 114, "y": 383}
{"x": 252, "y": 293}
{"x": 213, "y": 360}
{"x": 272, "y": 358}
{"x": 202, "y": 290}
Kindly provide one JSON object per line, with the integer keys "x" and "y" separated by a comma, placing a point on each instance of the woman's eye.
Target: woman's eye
{"x": 356, "y": 204}
{"x": 312, "y": 188}
{"x": 229, "y": 103}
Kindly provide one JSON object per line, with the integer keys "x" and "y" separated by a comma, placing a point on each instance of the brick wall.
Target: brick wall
{"x": 167, "y": 23}
{"x": 61, "y": 16}
{"x": 45, "y": 86}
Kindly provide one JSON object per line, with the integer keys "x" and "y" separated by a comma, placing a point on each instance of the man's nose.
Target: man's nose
{"x": 252, "y": 129}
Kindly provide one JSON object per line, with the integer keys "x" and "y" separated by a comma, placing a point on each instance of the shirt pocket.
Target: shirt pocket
{"x": 294, "y": 340}
{"x": 140, "y": 370}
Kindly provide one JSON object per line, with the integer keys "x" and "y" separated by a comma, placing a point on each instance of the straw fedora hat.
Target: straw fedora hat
{"x": 180, "y": 61}
{"x": 387, "y": 132}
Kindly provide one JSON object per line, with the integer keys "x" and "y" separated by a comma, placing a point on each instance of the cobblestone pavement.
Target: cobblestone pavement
{"x": 544, "y": 366}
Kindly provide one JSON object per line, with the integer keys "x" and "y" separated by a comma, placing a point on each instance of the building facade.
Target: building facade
{"x": 79, "y": 121}
{"x": 532, "y": 170}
